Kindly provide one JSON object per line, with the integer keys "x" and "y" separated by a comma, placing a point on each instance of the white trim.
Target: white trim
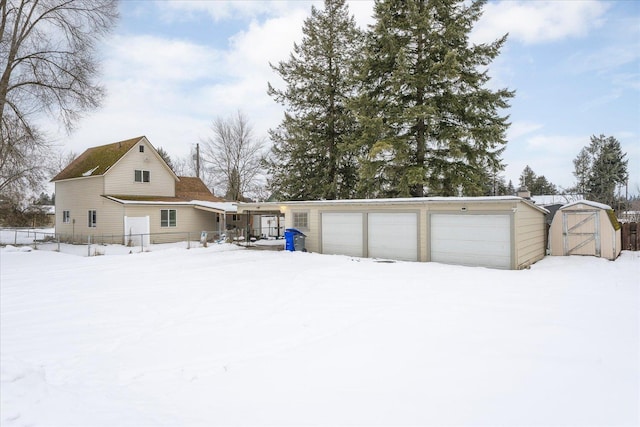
{"x": 588, "y": 203}
{"x": 203, "y": 204}
{"x": 411, "y": 201}
{"x": 168, "y": 210}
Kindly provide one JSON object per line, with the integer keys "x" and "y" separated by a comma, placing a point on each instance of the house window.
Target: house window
{"x": 301, "y": 219}
{"x": 142, "y": 148}
{"x": 93, "y": 218}
{"x": 234, "y": 217}
{"x": 142, "y": 176}
{"x": 168, "y": 218}
{"x": 66, "y": 217}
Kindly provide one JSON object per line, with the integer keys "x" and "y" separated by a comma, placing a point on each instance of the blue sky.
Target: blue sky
{"x": 171, "y": 67}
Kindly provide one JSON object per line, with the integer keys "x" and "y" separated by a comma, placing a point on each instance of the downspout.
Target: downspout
{"x": 224, "y": 221}
{"x": 278, "y": 225}
{"x": 248, "y": 237}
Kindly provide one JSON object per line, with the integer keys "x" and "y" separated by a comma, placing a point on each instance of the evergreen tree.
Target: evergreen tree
{"x": 431, "y": 126}
{"x": 165, "y": 156}
{"x": 608, "y": 169}
{"x": 527, "y": 178}
{"x": 312, "y": 155}
{"x": 495, "y": 185}
{"x": 543, "y": 186}
{"x": 582, "y": 165}
{"x": 537, "y": 185}
{"x": 510, "y": 190}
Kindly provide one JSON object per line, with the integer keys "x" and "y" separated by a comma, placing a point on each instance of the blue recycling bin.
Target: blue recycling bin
{"x": 294, "y": 240}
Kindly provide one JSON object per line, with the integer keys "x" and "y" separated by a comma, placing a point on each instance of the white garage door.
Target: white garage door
{"x": 342, "y": 234}
{"x": 483, "y": 240}
{"x": 393, "y": 236}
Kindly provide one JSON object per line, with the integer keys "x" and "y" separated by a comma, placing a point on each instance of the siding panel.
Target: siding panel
{"x": 530, "y": 229}
{"x": 120, "y": 179}
{"x": 78, "y": 196}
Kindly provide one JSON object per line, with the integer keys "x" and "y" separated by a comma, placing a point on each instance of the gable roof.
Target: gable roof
{"x": 587, "y": 203}
{"x": 96, "y": 160}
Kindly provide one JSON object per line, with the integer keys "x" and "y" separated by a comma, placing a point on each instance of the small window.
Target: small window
{"x": 66, "y": 217}
{"x": 168, "y": 218}
{"x": 93, "y": 216}
{"x": 234, "y": 217}
{"x": 301, "y": 220}
{"x": 141, "y": 176}
{"x": 142, "y": 148}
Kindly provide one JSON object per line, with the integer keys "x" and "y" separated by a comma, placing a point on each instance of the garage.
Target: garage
{"x": 342, "y": 233}
{"x": 480, "y": 240}
{"x": 506, "y": 232}
{"x": 393, "y": 236}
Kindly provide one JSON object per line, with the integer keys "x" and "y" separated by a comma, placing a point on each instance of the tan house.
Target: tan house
{"x": 125, "y": 191}
{"x": 585, "y": 228}
{"x": 499, "y": 232}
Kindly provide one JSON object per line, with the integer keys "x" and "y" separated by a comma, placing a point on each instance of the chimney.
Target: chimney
{"x": 524, "y": 193}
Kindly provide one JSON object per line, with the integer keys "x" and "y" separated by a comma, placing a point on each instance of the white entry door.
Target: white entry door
{"x": 136, "y": 230}
{"x": 475, "y": 240}
{"x": 393, "y": 236}
{"x": 342, "y": 234}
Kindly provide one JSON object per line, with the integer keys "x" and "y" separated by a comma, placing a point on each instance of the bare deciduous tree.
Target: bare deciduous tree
{"x": 233, "y": 155}
{"x": 47, "y": 67}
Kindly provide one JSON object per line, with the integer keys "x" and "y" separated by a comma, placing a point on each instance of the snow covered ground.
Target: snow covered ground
{"x": 228, "y": 336}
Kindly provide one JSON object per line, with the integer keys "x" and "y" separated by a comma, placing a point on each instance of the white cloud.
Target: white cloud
{"x": 521, "y": 128}
{"x": 152, "y": 58}
{"x": 170, "y": 90}
{"x": 362, "y": 11}
{"x": 603, "y": 60}
{"x": 599, "y": 102}
{"x": 556, "y": 143}
{"x": 548, "y": 155}
{"x": 268, "y": 41}
{"x": 538, "y": 21}
{"x": 230, "y": 9}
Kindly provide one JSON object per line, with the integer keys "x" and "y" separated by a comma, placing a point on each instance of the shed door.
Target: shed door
{"x": 581, "y": 232}
{"x": 393, "y": 236}
{"x": 342, "y": 234}
{"x": 475, "y": 240}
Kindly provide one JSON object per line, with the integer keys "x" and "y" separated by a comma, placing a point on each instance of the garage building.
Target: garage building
{"x": 500, "y": 232}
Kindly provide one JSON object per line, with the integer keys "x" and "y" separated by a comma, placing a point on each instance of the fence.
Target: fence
{"x": 630, "y": 236}
{"x": 90, "y": 245}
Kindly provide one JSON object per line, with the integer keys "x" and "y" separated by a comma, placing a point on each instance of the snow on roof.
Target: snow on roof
{"x": 220, "y": 206}
{"x": 407, "y": 200}
{"x": 90, "y": 171}
{"x": 588, "y": 203}
{"x": 556, "y": 199}
{"x": 391, "y": 201}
